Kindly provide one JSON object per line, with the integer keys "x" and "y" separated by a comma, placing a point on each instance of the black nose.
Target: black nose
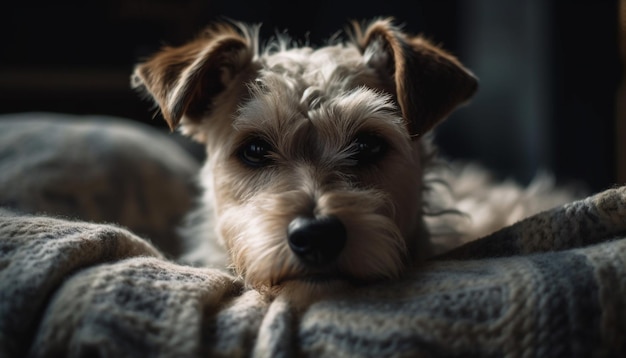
{"x": 317, "y": 241}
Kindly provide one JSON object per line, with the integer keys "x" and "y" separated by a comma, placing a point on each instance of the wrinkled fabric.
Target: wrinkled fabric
{"x": 552, "y": 285}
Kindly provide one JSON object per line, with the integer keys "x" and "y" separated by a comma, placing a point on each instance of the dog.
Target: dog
{"x": 315, "y": 156}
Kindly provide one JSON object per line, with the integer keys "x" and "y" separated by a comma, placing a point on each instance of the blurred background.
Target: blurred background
{"x": 549, "y": 70}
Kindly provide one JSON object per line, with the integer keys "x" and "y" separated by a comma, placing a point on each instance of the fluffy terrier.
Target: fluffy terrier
{"x": 316, "y": 156}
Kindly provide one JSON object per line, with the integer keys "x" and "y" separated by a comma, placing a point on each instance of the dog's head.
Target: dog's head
{"x": 314, "y": 159}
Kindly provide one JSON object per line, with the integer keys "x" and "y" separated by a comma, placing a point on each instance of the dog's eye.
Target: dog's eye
{"x": 368, "y": 148}
{"x": 255, "y": 153}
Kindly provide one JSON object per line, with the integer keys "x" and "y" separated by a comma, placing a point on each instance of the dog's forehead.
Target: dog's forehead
{"x": 277, "y": 112}
{"x": 329, "y": 70}
{"x": 305, "y": 84}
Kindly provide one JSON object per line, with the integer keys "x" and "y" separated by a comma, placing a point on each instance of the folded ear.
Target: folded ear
{"x": 185, "y": 80}
{"x": 429, "y": 82}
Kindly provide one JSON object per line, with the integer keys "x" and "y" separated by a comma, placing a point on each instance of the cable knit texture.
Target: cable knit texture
{"x": 552, "y": 285}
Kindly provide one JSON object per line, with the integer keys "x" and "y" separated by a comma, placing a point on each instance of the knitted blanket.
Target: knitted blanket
{"x": 552, "y": 285}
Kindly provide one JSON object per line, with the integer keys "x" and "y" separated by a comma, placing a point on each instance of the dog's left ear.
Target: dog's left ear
{"x": 429, "y": 82}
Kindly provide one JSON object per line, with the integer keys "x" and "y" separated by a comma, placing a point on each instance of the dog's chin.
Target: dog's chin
{"x": 303, "y": 286}
{"x": 306, "y": 285}
{"x": 314, "y": 279}
{"x": 308, "y": 288}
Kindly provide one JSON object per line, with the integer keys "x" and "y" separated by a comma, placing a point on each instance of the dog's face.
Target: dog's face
{"x": 314, "y": 155}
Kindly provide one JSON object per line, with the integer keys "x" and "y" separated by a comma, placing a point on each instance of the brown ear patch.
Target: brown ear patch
{"x": 184, "y": 80}
{"x": 429, "y": 82}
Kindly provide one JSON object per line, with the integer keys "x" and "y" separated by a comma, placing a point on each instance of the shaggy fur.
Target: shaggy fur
{"x": 337, "y": 131}
{"x": 464, "y": 202}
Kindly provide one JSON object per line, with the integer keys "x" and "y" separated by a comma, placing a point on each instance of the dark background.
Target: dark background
{"x": 549, "y": 70}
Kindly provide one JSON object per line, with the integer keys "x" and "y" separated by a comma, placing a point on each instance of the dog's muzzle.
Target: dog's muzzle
{"x": 317, "y": 241}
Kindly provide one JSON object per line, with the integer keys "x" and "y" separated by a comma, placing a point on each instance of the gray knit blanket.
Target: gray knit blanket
{"x": 552, "y": 285}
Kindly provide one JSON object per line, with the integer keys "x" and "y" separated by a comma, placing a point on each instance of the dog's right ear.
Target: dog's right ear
{"x": 184, "y": 81}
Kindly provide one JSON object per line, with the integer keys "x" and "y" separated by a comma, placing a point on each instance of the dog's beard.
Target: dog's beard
{"x": 256, "y": 237}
